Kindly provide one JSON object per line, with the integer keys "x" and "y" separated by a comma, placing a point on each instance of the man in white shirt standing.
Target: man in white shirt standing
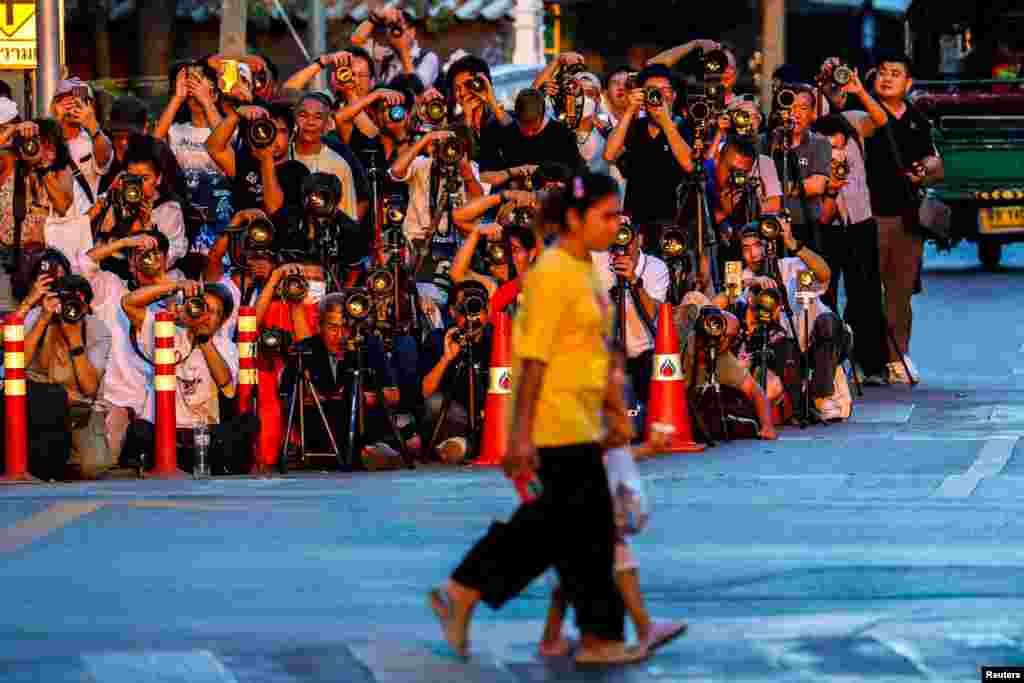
{"x": 648, "y": 276}
{"x": 312, "y": 119}
{"x": 74, "y": 107}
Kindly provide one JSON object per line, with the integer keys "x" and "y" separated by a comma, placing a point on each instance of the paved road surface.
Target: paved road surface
{"x": 889, "y": 548}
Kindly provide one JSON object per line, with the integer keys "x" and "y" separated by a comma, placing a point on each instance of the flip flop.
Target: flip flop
{"x": 662, "y": 634}
{"x": 441, "y": 607}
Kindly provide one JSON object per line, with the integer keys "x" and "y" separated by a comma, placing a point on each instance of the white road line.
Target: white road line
{"x": 990, "y": 461}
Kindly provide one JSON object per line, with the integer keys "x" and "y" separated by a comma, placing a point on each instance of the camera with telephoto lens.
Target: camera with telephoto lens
{"x": 840, "y": 169}
{"x": 711, "y": 323}
{"x": 770, "y": 225}
{"x": 321, "y": 195}
{"x": 261, "y": 133}
{"x": 275, "y": 341}
{"x": 624, "y": 238}
{"x": 294, "y": 287}
{"x": 673, "y": 249}
{"x": 450, "y": 151}
{"x": 357, "y": 307}
{"x": 397, "y": 113}
{"x": 766, "y": 305}
{"x": 496, "y": 253}
{"x": 434, "y": 112}
{"x": 195, "y": 307}
{"x": 150, "y": 262}
{"x": 841, "y": 75}
{"x": 653, "y": 97}
{"x": 714, "y": 63}
{"x": 742, "y": 121}
{"x": 395, "y": 208}
{"x": 472, "y": 306}
{"x": 72, "y": 291}
{"x": 344, "y": 75}
{"x": 784, "y": 99}
{"x": 130, "y": 197}
{"x": 380, "y": 282}
{"x": 476, "y": 84}
{"x": 28, "y": 147}
{"x": 699, "y": 110}
{"x": 738, "y": 179}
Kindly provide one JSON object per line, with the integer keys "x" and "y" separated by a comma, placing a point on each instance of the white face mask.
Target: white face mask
{"x": 589, "y": 107}
{"x": 317, "y": 291}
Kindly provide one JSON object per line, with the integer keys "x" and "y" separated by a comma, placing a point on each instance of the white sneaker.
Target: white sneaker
{"x": 828, "y": 409}
{"x": 898, "y": 373}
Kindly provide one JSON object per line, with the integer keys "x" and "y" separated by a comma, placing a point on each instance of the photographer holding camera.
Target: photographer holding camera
{"x": 312, "y": 119}
{"x": 74, "y": 108}
{"x": 123, "y": 392}
{"x": 389, "y": 34}
{"x": 428, "y": 167}
{"x": 141, "y": 199}
{"x": 262, "y": 174}
{"x": 207, "y": 368}
{"x": 829, "y": 342}
{"x": 650, "y": 149}
{"x": 648, "y": 277}
{"x": 851, "y": 247}
{"x": 446, "y": 373}
{"x": 901, "y": 159}
{"x": 67, "y": 348}
{"x": 512, "y": 235}
{"x": 674, "y": 55}
{"x": 728, "y": 369}
{"x": 472, "y": 99}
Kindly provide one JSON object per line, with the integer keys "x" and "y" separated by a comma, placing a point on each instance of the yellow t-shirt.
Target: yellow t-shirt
{"x": 563, "y": 323}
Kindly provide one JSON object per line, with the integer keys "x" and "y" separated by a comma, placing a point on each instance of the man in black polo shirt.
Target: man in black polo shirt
{"x": 532, "y": 140}
{"x": 651, "y": 151}
{"x": 900, "y": 159}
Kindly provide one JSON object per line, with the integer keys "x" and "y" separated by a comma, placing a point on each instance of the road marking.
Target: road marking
{"x": 881, "y": 412}
{"x": 990, "y": 461}
{"x": 42, "y": 524}
{"x": 201, "y": 666}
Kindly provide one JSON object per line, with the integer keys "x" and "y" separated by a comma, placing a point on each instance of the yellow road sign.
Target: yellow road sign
{"x": 17, "y": 34}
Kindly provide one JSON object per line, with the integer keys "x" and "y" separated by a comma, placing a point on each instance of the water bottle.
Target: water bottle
{"x": 201, "y": 467}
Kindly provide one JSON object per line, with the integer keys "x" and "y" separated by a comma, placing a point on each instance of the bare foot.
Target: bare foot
{"x": 442, "y": 609}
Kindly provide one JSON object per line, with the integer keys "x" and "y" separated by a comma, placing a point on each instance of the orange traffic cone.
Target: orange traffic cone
{"x": 494, "y": 443}
{"x": 666, "y": 403}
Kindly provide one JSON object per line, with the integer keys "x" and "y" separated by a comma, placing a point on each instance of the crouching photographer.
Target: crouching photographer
{"x": 345, "y": 363}
{"x": 66, "y": 352}
{"x": 456, "y": 364}
{"x": 822, "y": 342}
{"x": 726, "y": 401}
{"x": 207, "y": 366}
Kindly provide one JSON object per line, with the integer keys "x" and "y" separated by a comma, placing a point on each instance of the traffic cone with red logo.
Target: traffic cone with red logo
{"x": 666, "y": 403}
{"x": 494, "y": 443}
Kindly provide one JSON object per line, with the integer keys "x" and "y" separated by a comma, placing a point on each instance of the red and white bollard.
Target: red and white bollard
{"x": 15, "y": 403}
{"x": 247, "y": 375}
{"x": 165, "y": 448}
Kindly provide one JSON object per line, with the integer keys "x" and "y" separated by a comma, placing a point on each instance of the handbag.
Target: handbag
{"x": 934, "y": 218}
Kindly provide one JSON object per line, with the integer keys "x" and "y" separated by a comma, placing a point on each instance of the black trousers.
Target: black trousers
{"x": 830, "y": 345}
{"x": 639, "y": 371}
{"x": 852, "y": 254}
{"x": 231, "y": 445}
{"x": 569, "y": 526}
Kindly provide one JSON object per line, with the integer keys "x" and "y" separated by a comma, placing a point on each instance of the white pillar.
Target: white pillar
{"x": 232, "y": 27}
{"x": 317, "y": 38}
{"x": 47, "y": 54}
{"x": 529, "y": 32}
{"x": 773, "y": 45}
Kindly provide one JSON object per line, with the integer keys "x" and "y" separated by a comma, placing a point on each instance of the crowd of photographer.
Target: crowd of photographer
{"x": 378, "y": 228}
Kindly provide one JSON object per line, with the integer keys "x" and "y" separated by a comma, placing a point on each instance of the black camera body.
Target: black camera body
{"x": 395, "y": 209}
{"x": 674, "y": 251}
{"x": 275, "y": 341}
{"x": 130, "y": 196}
{"x": 653, "y": 97}
{"x": 72, "y": 291}
{"x": 321, "y": 194}
{"x": 711, "y": 323}
{"x": 476, "y": 84}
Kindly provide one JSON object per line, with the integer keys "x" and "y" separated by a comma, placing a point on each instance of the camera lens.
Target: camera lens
{"x": 260, "y": 234}
{"x": 653, "y": 97}
{"x": 700, "y": 111}
{"x": 673, "y": 245}
{"x": 262, "y": 133}
{"x": 381, "y": 282}
{"x": 435, "y": 112}
{"x": 195, "y": 307}
{"x": 343, "y": 75}
{"x": 149, "y": 262}
{"x": 396, "y": 114}
{"x": 842, "y": 75}
{"x": 29, "y": 146}
{"x": 357, "y": 306}
{"x": 72, "y": 309}
{"x": 476, "y": 84}
{"x": 785, "y": 99}
{"x": 496, "y": 253}
{"x": 294, "y": 287}
{"x": 713, "y": 324}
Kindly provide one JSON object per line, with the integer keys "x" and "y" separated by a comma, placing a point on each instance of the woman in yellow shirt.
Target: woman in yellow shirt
{"x": 561, "y": 362}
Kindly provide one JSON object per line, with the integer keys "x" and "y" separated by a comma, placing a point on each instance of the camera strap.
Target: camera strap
{"x": 77, "y": 173}
{"x": 20, "y": 209}
{"x": 132, "y": 338}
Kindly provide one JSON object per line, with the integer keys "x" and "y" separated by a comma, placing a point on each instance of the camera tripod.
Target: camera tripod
{"x": 678, "y": 284}
{"x": 302, "y": 387}
{"x": 444, "y": 181}
{"x": 707, "y": 237}
{"x": 714, "y": 385}
{"x": 468, "y": 370}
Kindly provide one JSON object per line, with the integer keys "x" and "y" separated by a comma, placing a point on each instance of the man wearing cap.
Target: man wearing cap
{"x": 74, "y": 107}
{"x": 128, "y": 116}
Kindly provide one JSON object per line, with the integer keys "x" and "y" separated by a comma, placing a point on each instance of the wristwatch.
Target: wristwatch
{"x": 77, "y": 351}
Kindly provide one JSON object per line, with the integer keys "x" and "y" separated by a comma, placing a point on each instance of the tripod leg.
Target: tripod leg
{"x": 410, "y": 462}
{"x": 327, "y": 426}
{"x": 441, "y": 419}
{"x": 355, "y": 421}
{"x": 721, "y": 413}
{"x": 282, "y": 461}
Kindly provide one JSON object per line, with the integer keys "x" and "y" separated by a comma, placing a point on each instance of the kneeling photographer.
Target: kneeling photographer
{"x": 817, "y": 331}
{"x": 456, "y": 364}
{"x": 346, "y": 342}
{"x": 207, "y": 367}
{"x": 66, "y": 352}
{"x": 711, "y": 365}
